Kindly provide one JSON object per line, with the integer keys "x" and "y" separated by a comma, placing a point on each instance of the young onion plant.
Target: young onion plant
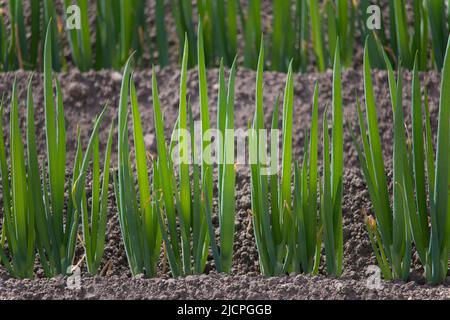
{"x": 17, "y": 52}
{"x": 19, "y": 212}
{"x": 93, "y": 221}
{"x": 419, "y": 211}
{"x": 223, "y": 254}
{"x": 56, "y": 219}
{"x": 408, "y": 44}
{"x": 289, "y": 226}
{"x": 20, "y": 47}
{"x": 177, "y": 209}
{"x": 183, "y": 15}
{"x": 375, "y": 37}
{"x": 439, "y": 20}
{"x": 179, "y": 204}
{"x": 36, "y": 214}
{"x": 340, "y": 21}
{"x": 289, "y": 36}
{"x": 80, "y": 39}
{"x": 138, "y": 215}
{"x": 220, "y": 27}
{"x": 195, "y": 213}
{"x": 120, "y": 29}
{"x": 52, "y": 22}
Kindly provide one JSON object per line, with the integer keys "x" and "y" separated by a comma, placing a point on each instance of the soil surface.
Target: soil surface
{"x": 84, "y": 96}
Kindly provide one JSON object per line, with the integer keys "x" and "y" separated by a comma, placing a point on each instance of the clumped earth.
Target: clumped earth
{"x": 84, "y": 97}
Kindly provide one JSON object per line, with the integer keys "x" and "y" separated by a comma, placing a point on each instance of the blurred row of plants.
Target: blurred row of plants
{"x": 302, "y": 31}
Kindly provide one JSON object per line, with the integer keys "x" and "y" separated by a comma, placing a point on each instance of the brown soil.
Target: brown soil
{"x": 84, "y": 95}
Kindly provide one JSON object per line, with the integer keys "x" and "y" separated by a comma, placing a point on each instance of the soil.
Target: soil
{"x": 84, "y": 96}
